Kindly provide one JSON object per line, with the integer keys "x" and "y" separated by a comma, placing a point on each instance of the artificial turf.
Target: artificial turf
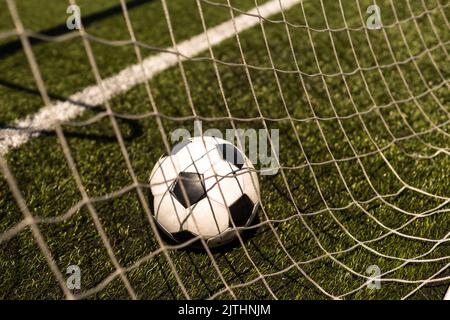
{"x": 420, "y": 106}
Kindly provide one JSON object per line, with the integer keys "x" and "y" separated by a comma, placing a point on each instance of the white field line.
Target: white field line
{"x": 447, "y": 295}
{"x": 47, "y": 117}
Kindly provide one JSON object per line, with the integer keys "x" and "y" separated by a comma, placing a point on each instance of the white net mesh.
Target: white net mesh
{"x": 363, "y": 180}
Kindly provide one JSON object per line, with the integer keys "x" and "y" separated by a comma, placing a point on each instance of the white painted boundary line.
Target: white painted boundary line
{"x": 447, "y": 295}
{"x": 47, "y": 117}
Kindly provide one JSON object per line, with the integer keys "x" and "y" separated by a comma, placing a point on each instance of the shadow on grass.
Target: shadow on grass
{"x": 12, "y": 47}
{"x": 135, "y": 127}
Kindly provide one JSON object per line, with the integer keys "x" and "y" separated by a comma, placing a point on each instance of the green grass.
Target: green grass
{"x": 49, "y": 188}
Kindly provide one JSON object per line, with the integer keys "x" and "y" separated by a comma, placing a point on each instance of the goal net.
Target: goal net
{"x": 356, "y": 208}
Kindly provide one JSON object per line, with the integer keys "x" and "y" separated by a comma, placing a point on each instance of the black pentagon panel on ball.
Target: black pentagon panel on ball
{"x": 183, "y": 236}
{"x": 241, "y": 210}
{"x": 194, "y": 186}
{"x": 151, "y": 201}
{"x": 179, "y": 146}
{"x": 231, "y": 154}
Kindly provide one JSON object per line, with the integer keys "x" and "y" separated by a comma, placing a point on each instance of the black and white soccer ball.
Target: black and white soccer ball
{"x": 221, "y": 191}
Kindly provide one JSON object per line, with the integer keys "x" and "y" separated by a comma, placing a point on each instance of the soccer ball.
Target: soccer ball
{"x": 204, "y": 186}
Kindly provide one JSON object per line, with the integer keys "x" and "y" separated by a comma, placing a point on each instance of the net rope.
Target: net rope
{"x": 33, "y": 222}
